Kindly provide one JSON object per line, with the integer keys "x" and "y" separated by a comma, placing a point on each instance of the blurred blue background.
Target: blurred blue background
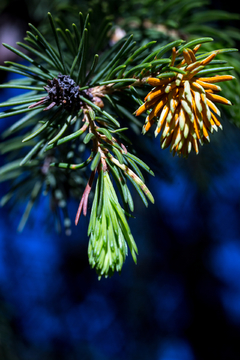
{"x": 180, "y": 302}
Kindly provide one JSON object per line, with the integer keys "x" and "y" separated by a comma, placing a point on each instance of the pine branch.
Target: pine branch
{"x": 73, "y": 130}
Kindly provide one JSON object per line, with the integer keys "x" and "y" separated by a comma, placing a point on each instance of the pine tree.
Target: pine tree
{"x": 92, "y": 87}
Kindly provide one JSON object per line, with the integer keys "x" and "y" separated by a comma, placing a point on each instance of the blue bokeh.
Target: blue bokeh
{"x": 58, "y": 303}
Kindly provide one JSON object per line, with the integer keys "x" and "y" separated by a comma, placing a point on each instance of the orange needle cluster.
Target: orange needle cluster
{"x": 183, "y": 105}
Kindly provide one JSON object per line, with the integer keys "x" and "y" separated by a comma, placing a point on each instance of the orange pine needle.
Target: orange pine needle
{"x": 187, "y": 57}
{"x": 216, "y": 121}
{"x": 217, "y": 78}
{"x": 217, "y": 98}
{"x": 145, "y": 106}
{"x": 196, "y": 48}
{"x": 158, "y": 82}
{"x": 155, "y": 93}
{"x": 192, "y": 55}
{"x": 195, "y": 145}
{"x": 193, "y": 66}
{"x": 213, "y": 107}
{"x": 209, "y": 58}
{"x": 174, "y": 53}
{"x": 208, "y": 86}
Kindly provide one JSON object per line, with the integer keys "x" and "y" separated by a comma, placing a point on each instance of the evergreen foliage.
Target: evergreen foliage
{"x": 75, "y": 137}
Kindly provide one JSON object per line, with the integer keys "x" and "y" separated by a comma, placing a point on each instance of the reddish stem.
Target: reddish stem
{"x": 84, "y": 199}
{"x": 50, "y": 106}
{"x": 42, "y": 101}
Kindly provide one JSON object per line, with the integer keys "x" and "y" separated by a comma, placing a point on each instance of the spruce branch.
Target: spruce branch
{"x": 72, "y": 139}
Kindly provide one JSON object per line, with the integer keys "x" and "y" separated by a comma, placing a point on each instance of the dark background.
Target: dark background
{"x": 180, "y": 302}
